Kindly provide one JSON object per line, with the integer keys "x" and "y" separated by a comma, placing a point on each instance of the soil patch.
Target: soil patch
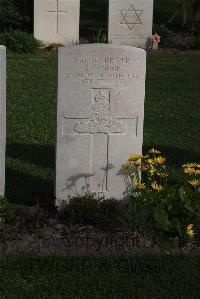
{"x": 61, "y": 240}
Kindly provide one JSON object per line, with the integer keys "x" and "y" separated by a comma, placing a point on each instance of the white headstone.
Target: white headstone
{"x": 130, "y": 22}
{"x": 2, "y": 117}
{"x": 57, "y": 21}
{"x": 100, "y": 111}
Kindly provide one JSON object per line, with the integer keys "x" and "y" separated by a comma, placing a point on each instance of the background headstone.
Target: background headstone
{"x": 2, "y": 117}
{"x": 100, "y": 111}
{"x": 130, "y": 22}
{"x": 57, "y": 21}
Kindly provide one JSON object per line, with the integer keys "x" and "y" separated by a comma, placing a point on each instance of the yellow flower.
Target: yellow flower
{"x": 160, "y": 160}
{"x": 156, "y": 187}
{"x": 134, "y": 163}
{"x": 152, "y": 170}
{"x": 189, "y": 170}
{"x": 154, "y": 151}
{"x": 163, "y": 174}
{"x": 191, "y": 165}
{"x": 190, "y": 230}
{"x": 150, "y": 161}
{"x": 197, "y": 171}
{"x": 133, "y": 157}
{"x": 125, "y": 168}
{"x": 140, "y": 186}
{"x": 194, "y": 183}
{"x": 143, "y": 168}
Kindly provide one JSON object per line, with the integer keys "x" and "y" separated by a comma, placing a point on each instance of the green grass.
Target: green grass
{"x": 172, "y": 107}
{"x": 172, "y": 110}
{"x": 152, "y": 277}
{"x": 31, "y": 123}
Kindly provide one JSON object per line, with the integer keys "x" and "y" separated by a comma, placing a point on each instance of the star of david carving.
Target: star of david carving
{"x": 131, "y": 17}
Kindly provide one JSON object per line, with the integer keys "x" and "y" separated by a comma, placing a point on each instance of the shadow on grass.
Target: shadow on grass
{"x": 42, "y": 155}
{"x": 30, "y": 172}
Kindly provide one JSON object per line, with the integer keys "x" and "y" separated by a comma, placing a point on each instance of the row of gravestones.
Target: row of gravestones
{"x": 101, "y": 90}
{"x": 100, "y": 111}
{"x": 57, "y": 21}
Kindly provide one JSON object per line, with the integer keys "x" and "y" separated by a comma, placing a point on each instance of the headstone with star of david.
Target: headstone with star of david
{"x": 2, "y": 117}
{"x": 130, "y": 22}
{"x": 57, "y": 21}
{"x": 100, "y": 111}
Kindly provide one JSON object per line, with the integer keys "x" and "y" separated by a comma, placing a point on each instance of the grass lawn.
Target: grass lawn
{"x": 172, "y": 110}
{"x": 147, "y": 277}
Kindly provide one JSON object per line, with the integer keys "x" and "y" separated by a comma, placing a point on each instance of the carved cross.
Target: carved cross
{"x": 58, "y": 12}
{"x": 100, "y": 127}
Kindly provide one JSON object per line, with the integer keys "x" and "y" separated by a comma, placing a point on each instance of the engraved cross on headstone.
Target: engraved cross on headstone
{"x": 101, "y": 126}
{"x": 58, "y": 12}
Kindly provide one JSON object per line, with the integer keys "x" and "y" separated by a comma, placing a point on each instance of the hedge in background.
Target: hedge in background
{"x": 19, "y": 42}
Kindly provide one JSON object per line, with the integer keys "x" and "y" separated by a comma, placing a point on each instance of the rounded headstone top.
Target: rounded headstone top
{"x": 104, "y": 46}
{"x": 2, "y": 48}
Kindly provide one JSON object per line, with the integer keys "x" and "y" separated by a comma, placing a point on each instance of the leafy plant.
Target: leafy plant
{"x": 19, "y": 41}
{"x": 15, "y": 14}
{"x": 101, "y": 37}
{"x": 90, "y": 210}
{"x": 170, "y": 212}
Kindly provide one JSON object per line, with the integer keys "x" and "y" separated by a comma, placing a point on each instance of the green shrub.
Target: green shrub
{"x": 172, "y": 216}
{"x": 89, "y": 210}
{"x": 101, "y": 37}
{"x": 19, "y": 42}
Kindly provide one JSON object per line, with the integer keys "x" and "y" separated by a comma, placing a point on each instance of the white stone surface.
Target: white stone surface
{"x": 57, "y": 21}
{"x": 2, "y": 117}
{"x": 100, "y": 111}
{"x": 130, "y": 22}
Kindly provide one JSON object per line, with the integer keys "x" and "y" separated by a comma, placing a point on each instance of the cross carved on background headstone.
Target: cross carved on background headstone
{"x": 58, "y": 12}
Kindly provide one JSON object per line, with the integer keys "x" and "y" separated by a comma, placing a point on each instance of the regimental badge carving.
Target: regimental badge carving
{"x": 131, "y": 17}
{"x": 102, "y": 120}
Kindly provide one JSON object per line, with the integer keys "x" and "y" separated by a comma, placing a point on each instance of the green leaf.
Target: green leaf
{"x": 162, "y": 218}
{"x": 189, "y": 207}
{"x": 182, "y": 193}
